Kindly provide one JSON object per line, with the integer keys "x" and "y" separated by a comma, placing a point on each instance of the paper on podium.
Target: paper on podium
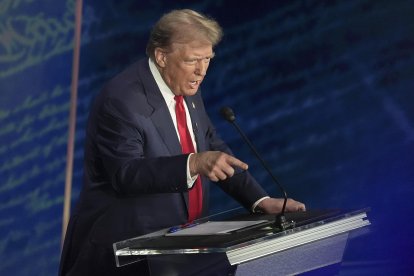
{"x": 215, "y": 228}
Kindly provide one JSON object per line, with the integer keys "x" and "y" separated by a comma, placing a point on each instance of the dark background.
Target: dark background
{"x": 324, "y": 89}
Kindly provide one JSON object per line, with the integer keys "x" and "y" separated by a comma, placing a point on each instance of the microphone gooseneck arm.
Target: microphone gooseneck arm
{"x": 281, "y": 222}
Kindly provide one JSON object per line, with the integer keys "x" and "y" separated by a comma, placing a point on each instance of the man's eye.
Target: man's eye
{"x": 195, "y": 61}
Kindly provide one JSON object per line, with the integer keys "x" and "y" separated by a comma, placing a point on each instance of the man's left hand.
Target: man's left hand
{"x": 275, "y": 205}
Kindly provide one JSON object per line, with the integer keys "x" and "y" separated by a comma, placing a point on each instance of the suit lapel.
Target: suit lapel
{"x": 163, "y": 122}
{"x": 195, "y": 120}
{"x": 160, "y": 116}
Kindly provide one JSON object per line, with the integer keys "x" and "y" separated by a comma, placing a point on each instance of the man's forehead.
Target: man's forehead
{"x": 194, "y": 48}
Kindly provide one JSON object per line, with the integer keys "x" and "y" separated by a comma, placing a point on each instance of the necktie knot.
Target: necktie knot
{"x": 178, "y": 99}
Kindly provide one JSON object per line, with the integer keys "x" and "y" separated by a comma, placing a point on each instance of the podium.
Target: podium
{"x": 318, "y": 239}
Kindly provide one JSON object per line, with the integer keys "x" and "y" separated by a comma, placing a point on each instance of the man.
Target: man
{"x": 151, "y": 151}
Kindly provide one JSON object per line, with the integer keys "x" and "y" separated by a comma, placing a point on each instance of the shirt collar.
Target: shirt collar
{"x": 166, "y": 92}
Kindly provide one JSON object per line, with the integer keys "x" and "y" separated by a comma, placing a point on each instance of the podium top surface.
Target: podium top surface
{"x": 161, "y": 242}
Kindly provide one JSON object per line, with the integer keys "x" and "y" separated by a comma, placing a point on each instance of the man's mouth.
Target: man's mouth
{"x": 195, "y": 84}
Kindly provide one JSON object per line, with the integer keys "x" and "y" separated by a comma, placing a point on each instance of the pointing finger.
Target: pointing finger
{"x": 234, "y": 162}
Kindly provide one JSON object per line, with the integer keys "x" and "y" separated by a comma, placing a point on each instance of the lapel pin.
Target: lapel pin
{"x": 193, "y": 105}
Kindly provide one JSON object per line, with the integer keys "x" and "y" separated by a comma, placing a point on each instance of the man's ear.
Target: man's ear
{"x": 160, "y": 57}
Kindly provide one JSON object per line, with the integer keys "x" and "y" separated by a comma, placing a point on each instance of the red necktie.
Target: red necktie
{"x": 195, "y": 194}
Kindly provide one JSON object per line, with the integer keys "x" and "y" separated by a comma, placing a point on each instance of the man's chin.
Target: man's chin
{"x": 190, "y": 92}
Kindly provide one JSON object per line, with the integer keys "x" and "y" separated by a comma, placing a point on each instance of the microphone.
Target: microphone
{"x": 280, "y": 220}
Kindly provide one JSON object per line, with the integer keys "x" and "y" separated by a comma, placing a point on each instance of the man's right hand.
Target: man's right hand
{"x": 216, "y": 165}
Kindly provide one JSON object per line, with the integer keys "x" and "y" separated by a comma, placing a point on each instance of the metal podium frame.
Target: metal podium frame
{"x": 316, "y": 241}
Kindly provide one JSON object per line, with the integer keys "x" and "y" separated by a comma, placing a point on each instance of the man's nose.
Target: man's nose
{"x": 201, "y": 68}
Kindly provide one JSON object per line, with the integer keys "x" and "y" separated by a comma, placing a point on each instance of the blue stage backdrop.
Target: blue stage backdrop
{"x": 324, "y": 89}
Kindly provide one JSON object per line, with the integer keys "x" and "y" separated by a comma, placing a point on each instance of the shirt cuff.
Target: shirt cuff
{"x": 190, "y": 180}
{"x": 257, "y": 203}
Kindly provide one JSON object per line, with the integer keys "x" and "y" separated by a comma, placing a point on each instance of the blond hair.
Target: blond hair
{"x": 183, "y": 26}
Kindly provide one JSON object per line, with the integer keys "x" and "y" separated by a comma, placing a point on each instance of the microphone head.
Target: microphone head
{"x": 228, "y": 114}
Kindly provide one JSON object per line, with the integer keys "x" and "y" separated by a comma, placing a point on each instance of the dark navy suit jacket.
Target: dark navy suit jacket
{"x": 135, "y": 174}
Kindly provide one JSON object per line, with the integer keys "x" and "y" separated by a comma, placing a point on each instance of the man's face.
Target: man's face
{"x": 184, "y": 66}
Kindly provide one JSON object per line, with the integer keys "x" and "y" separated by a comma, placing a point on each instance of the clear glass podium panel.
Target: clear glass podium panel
{"x": 261, "y": 238}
